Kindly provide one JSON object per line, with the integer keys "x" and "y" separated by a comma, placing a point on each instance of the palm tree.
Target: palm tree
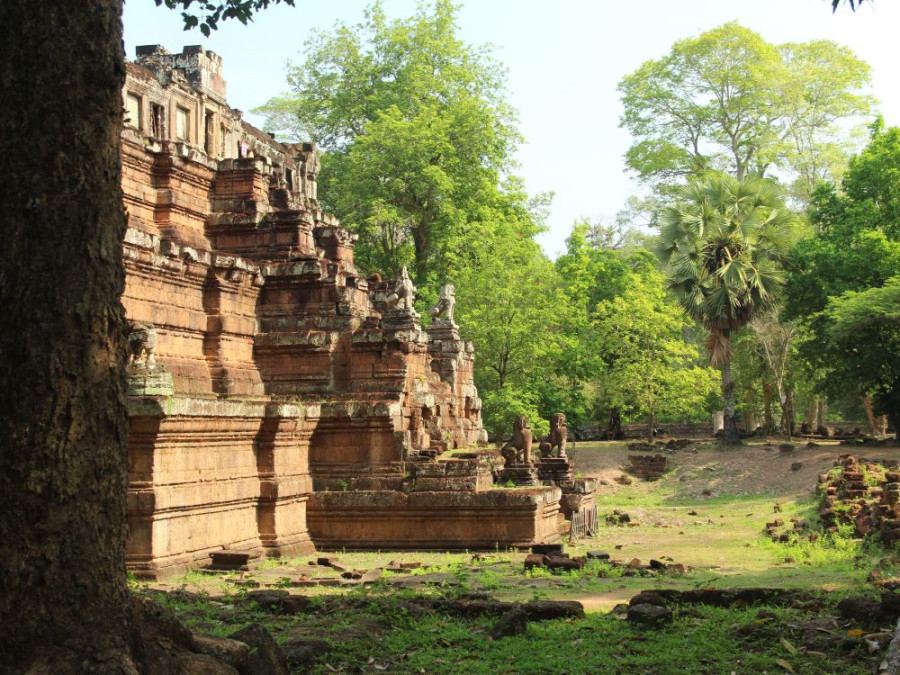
{"x": 724, "y": 242}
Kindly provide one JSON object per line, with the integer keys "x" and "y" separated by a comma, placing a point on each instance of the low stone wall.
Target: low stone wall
{"x": 693, "y": 430}
{"x": 648, "y": 467}
{"x": 457, "y": 475}
{"x": 208, "y": 474}
{"x": 434, "y": 520}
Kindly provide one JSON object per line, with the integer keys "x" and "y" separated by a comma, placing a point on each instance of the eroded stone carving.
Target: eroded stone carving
{"x": 557, "y": 438}
{"x": 309, "y": 165}
{"x": 518, "y": 448}
{"x": 404, "y": 294}
{"x": 444, "y": 306}
{"x": 142, "y": 344}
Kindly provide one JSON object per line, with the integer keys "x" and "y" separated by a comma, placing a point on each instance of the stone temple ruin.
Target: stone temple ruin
{"x": 279, "y": 400}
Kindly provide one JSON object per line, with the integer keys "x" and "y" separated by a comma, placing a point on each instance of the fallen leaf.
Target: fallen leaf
{"x": 856, "y": 632}
{"x": 787, "y": 645}
{"x": 380, "y": 667}
{"x": 784, "y": 664}
{"x": 371, "y": 660}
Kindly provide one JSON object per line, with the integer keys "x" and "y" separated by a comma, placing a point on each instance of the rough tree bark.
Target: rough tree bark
{"x": 62, "y": 357}
{"x": 730, "y": 434}
{"x": 614, "y": 426}
{"x": 787, "y": 412}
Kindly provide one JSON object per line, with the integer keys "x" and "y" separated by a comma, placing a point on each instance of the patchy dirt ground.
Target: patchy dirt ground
{"x": 704, "y": 470}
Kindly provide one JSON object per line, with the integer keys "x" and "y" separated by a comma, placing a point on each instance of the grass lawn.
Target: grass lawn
{"x": 719, "y": 536}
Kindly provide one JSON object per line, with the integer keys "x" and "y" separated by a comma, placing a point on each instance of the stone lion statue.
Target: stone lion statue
{"x": 445, "y": 304}
{"x": 142, "y": 344}
{"x": 518, "y": 448}
{"x": 404, "y": 293}
{"x": 557, "y": 438}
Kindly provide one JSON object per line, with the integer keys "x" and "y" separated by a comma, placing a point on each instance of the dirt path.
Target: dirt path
{"x": 704, "y": 470}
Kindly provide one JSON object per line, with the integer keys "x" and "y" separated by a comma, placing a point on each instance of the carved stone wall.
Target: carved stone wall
{"x": 281, "y": 372}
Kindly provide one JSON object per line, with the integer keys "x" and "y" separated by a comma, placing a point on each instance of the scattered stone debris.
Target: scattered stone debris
{"x": 402, "y": 566}
{"x": 797, "y": 527}
{"x": 618, "y": 517}
{"x": 597, "y": 555}
{"x": 557, "y": 561}
{"x": 477, "y": 604}
{"x": 864, "y": 493}
{"x": 227, "y": 560}
{"x": 649, "y": 615}
{"x": 513, "y": 622}
{"x": 648, "y": 467}
{"x": 231, "y": 652}
{"x": 737, "y": 597}
{"x": 301, "y": 653}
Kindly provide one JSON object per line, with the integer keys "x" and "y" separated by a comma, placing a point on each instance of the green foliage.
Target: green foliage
{"x": 508, "y": 307}
{"x": 729, "y": 101}
{"x": 589, "y": 274}
{"x": 651, "y": 372}
{"x": 840, "y": 284}
{"x": 418, "y": 140}
{"x": 724, "y": 242}
{"x": 213, "y": 12}
{"x": 864, "y": 327}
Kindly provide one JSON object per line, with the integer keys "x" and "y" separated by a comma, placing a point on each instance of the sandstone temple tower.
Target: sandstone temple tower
{"x": 278, "y": 399}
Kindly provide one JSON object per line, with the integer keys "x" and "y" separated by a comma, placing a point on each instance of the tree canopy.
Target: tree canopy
{"x": 207, "y": 20}
{"x": 650, "y": 370}
{"x": 417, "y": 134}
{"x": 843, "y": 274}
{"x": 730, "y": 101}
{"x": 724, "y": 242}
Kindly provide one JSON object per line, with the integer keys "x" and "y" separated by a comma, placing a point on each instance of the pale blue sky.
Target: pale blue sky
{"x": 565, "y": 58}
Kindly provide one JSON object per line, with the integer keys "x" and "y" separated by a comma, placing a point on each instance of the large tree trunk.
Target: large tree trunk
{"x": 614, "y": 425}
{"x": 730, "y": 435}
{"x": 787, "y": 412}
{"x": 62, "y": 358}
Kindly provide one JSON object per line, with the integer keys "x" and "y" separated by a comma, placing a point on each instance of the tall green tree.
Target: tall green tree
{"x": 730, "y": 101}
{"x": 508, "y": 305}
{"x": 863, "y": 327}
{"x": 417, "y": 134}
{"x": 508, "y": 295}
{"x": 650, "y": 370}
{"x": 589, "y": 273}
{"x": 855, "y": 248}
{"x": 724, "y": 242}
{"x": 774, "y": 342}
